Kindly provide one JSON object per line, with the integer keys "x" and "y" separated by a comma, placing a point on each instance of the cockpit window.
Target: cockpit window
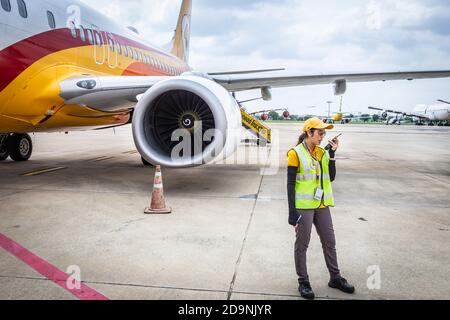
{"x": 51, "y": 20}
{"x": 22, "y": 8}
{"x": 6, "y": 5}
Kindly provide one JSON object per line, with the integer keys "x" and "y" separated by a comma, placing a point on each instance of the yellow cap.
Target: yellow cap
{"x": 316, "y": 123}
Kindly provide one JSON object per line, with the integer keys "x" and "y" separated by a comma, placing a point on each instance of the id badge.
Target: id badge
{"x": 319, "y": 194}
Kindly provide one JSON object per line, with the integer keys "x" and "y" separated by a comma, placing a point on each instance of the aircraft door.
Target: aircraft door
{"x": 99, "y": 46}
{"x": 113, "y": 54}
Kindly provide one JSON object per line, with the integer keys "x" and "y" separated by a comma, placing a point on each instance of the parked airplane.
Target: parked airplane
{"x": 437, "y": 114}
{"x": 344, "y": 117}
{"x": 64, "y": 66}
{"x": 265, "y": 113}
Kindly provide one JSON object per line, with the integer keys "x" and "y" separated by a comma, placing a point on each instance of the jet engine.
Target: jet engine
{"x": 186, "y": 121}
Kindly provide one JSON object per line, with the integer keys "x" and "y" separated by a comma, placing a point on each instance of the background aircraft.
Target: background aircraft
{"x": 65, "y": 67}
{"x": 265, "y": 113}
{"x": 344, "y": 117}
{"x": 436, "y": 114}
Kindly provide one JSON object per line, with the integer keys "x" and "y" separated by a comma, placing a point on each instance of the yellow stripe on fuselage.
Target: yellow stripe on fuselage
{"x": 31, "y": 102}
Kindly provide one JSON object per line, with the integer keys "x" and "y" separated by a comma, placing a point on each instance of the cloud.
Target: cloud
{"x": 310, "y": 36}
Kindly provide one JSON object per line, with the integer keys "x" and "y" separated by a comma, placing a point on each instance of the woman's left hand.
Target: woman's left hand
{"x": 334, "y": 144}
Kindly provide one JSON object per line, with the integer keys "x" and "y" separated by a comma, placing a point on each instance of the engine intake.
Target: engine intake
{"x": 196, "y": 106}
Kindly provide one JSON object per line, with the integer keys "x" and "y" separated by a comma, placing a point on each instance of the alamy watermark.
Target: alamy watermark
{"x": 230, "y": 148}
{"x": 374, "y": 280}
{"x": 74, "y": 280}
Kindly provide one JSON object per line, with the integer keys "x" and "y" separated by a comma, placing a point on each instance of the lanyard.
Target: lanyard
{"x": 315, "y": 165}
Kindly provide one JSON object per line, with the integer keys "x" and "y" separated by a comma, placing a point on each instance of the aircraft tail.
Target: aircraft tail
{"x": 182, "y": 37}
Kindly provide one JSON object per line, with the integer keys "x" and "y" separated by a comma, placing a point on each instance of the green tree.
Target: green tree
{"x": 365, "y": 117}
{"x": 376, "y": 118}
{"x": 274, "y": 116}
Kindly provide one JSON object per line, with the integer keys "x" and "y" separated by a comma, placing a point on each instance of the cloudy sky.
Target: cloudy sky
{"x": 310, "y": 37}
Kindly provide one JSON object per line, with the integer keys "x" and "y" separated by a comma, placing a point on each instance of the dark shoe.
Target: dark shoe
{"x": 342, "y": 284}
{"x": 306, "y": 291}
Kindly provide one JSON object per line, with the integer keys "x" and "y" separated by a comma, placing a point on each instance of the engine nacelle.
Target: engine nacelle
{"x": 186, "y": 121}
{"x": 340, "y": 87}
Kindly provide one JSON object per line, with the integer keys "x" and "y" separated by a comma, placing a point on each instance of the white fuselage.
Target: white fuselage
{"x": 437, "y": 112}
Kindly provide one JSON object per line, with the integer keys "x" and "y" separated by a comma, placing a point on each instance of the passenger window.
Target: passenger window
{"x": 51, "y": 20}
{"x": 119, "y": 48}
{"x": 82, "y": 34}
{"x": 125, "y": 51}
{"x": 141, "y": 59}
{"x": 90, "y": 36}
{"x": 136, "y": 57}
{"x": 73, "y": 29}
{"x": 111, "y": 44}
{"x": 6, "y": 5}
{"x": 22, "y": 8}
{"x": 98, "y": 39}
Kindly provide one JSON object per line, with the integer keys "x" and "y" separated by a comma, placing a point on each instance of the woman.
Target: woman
{"x": 311, "y": 169}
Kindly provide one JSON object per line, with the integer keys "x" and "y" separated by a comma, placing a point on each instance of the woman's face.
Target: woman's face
{"x": 318, "y": 136}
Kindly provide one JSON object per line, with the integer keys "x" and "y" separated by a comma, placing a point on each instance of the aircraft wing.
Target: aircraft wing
{"x": 405, "y": 114}
{"x": 239, "y": 82}
{"x": 112, "y": 93}
{"x": 388, "y": 110}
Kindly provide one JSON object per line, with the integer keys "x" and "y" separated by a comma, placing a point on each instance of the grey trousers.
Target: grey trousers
{"x": 321, "y": 218}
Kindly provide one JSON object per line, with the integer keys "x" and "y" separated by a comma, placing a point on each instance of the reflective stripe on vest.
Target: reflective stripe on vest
{"x": 306, "y": 177}
{"x": 309, "y": 177}
{"x": 311, "y": 197}
{"x": 308, "y": 182}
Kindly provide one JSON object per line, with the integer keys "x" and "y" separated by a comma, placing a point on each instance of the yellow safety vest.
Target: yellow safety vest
{"x": 311, "y": 177}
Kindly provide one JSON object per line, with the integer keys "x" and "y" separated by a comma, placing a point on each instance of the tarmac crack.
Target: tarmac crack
{"x": 19, "y": 191}
{"x": 284, "y": 295}
{"x": 126, "y": 225}
{"x": 244, "y": 242}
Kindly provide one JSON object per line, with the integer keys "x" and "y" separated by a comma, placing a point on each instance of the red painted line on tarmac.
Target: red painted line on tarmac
{"x": 49, "y": 271}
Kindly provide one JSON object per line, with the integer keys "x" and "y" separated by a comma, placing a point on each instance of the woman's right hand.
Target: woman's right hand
{"x": 334, "y": 144}
{"x": 296, "y": 227}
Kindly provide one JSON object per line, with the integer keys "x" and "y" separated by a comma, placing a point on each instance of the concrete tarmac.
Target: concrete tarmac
{"x": 228, "y": 236}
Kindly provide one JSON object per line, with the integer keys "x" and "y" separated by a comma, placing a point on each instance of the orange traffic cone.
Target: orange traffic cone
{"x": 158, "y": 205}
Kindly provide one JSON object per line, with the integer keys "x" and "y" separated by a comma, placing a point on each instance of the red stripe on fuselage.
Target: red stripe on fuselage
{"x": 18, "y": 57}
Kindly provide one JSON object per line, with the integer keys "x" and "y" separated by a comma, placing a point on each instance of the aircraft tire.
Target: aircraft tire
{"x": 20, "y": 147}
{"x": 4, "y": 154}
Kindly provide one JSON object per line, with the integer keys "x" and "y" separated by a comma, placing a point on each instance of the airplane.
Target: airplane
{"x": 343, "y": 117}
{"x": 265, "y": 113}
{"x": 66, "y": 67}
{"x": 432, "y": 114}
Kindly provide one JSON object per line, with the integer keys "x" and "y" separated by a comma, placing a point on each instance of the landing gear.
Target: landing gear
{"x": 4, "y": 154}
{"x": 19, "y": 146}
